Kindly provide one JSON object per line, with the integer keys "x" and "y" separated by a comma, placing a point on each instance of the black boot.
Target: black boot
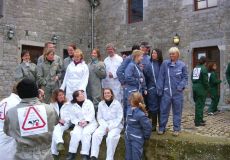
{"x": 71, "y": 156}
{"x": 55, "y": 157}
{"x": 154, "y": 122}
{"x": 93, "y": 158}
{"x": 85, "y": 157}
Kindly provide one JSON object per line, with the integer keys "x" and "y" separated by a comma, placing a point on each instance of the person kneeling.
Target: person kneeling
{"x": 82, "y": 114}
{"x": 109, "y": 116}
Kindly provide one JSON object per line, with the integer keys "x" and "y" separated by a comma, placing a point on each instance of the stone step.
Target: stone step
{"x": 186, "y": 146}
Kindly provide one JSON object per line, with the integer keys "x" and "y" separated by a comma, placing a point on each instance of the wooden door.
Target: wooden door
{"x": 35, "y": 52}
{"x": 212, "y": 55}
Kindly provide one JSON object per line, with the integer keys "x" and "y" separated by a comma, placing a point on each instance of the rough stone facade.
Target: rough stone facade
{"x": 68, "y": 19}
{"x": 162, "y": 20}
{"x": 71, "y": 21}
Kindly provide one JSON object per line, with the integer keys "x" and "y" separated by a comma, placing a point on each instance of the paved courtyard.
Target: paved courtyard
{"x": 217, "y": 125}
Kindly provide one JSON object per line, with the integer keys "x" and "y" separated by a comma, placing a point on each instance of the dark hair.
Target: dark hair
{"x": 202, "y": 60}
{"x": 136, "y": 47}
{"x": 210, "y": 67}
{"x": 23, "y": 53}
{"x": 159, "y": 55}
{"x": 103, "y": 97}
{"x": 98, "y": 53}
{"x": 72, "y": 45}
{"x": 55, "y": 95}
{"x": 75, "y": 95}
{"x": 145, "y": 44}
{"x": 27, "y": 88}
{"x": 137, "y": 100}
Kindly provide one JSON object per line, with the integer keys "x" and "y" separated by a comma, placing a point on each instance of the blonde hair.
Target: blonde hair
{"x": 137, "y": 53}
{"x": 174, "y": 50}
{"x": 137, "y": 100}
{"x": 78, "y": 51}
{"x": 47, "y": 52}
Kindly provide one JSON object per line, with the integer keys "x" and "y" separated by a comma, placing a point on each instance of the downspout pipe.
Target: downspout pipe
{"x": 92, "y": 27}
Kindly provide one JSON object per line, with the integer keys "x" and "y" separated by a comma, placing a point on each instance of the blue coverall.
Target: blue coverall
{"x": 172, "y": 79}
{"x": 138, "y": 129}
{"x": 151, "y": 72}
{"x": 134, "y": 82}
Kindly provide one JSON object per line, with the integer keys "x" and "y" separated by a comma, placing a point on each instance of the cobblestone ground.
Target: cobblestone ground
{"x": 217, "y": 125}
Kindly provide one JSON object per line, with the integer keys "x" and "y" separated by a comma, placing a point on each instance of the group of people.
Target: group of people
{"x": 96, "y": 100}
{"x": 205, "y": 80}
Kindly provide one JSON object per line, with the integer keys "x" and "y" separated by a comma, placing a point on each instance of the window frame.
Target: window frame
{"x": 196, "y": 5}
{"x": 130, "y": 13}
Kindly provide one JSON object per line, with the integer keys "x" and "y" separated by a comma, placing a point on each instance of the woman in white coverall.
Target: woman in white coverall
{"x": 76, "y": 76}
{"x": 60, "y": 105}
{"x": 82, "y": 114}
{"x": 109, "y": 117}
{"x": 7, "y": 144}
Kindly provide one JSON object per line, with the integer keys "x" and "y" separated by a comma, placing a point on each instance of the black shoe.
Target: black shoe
{"x": 199, "y": 124}
{"x": 93, "y": 158}
{"x": 55, "y": 157}
{"x": 203, "y": 121}
{"x": 71, "y": 156}
{"x": 85, "y": 157}
{"x": 154, "y": 129}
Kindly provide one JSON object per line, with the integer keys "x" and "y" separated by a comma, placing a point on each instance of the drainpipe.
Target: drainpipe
{"x": 93, "y": 4}
{"x": 92, "y": 27}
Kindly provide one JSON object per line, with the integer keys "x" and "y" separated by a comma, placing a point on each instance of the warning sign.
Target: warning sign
{"x": 32, "y": 120}
{"x": 3, "y": 111}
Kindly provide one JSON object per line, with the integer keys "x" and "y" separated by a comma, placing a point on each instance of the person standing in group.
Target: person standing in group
{"x": 214, "y": 83}
{"x": 49, "y": 46}
{"x": 134, "y": 77}
{"x": 26, "y": 69}
{"x": 96, "y": 74}
{"x": 200, "y": 89}
{"x": 82, "y": 114}
{"x": 49, "y": 74}
{"x": 60, "y": 105}
{"x": 76, "y": 76}
{"x": 171, "y": 82}
{"x": 109, "y": 117}
{"x": 112, "y": 62}
{"x": 227, "y": 73}
{"x": 7, "y": 144}
{"x": 151, "y": 72}
{"x": 31, "y": 124}
{"x": 71, "y": 48}
{"x": 145, "y": 47}
{"x": 138, "y": 128}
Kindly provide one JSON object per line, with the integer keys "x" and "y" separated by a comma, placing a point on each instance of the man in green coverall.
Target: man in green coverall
{"x": 200, "y": 87}
{"x": 227, "y": 73}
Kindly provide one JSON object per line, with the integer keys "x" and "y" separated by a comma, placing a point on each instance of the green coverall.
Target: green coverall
{"x": 213, "y": 84}
{"x": 227, "y": 73}
{"x": 200, "y": 87}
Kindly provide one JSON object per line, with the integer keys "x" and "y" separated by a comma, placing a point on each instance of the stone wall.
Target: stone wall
{"x": 162, "y": 20}
{"x": 68, "y": 19}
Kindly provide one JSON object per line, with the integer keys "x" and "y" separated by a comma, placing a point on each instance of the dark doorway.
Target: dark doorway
{"x": 35, "y": 52}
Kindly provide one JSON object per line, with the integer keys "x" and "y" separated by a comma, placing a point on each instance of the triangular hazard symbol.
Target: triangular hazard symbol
{"x": 33, "y": 120}
{"x": 3, "y": 111}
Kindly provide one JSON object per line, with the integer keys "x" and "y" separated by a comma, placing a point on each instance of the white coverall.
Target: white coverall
{"x": 111, "y": 65}
{"x": 76, "y": 78}
{"x": 108, "y": 117}
{"x": 7, "y": 144}
{"x": 77, "y": 114}
{"x": 59, "y": 128}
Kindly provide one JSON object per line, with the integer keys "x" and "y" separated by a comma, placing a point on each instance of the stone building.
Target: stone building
{"x": 203, "y": 28}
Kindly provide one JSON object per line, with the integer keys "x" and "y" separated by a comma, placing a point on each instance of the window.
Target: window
{"x": 135, "y": 11}
{"x": 203, "y": 4}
